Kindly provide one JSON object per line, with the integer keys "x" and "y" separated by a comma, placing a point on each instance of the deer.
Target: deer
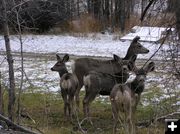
{"x": 102, "y": 83}
{"x": 68, "y": 83}
{"x": 125, "y": 98}
{"x": 82, "y": 66}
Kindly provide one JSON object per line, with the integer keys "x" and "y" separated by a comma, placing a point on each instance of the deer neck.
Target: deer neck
{"x": 136, "y": 87}
{"x": 129, "y": 54}
{"x": 61, "y": 73}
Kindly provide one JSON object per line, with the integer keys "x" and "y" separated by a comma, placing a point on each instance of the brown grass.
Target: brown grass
{"x": 85, "y": 24}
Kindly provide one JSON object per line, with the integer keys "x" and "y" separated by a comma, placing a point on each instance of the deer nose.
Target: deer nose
{"x": 52, "y": 69}
{"x": 147, "y": 51}
{"x": 142, "y": 80}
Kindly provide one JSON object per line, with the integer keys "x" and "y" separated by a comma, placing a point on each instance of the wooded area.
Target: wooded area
{"x": 42, "y": 15}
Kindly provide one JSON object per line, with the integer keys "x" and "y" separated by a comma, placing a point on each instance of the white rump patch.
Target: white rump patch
{"x": 86, "y": 80}
{"x": 69, "y": 65}
{"x": 66, "y": 84}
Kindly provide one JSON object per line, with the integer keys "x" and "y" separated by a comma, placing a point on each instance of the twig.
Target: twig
{"x": 2, "y": 61}
{"x": 164, "y": 39}
{"x": 167, "y": 116}
{"x": 152, "y": 121}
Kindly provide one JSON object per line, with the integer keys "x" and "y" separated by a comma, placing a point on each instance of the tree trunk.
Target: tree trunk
{"x": 178, "y": 17}
{"x": 112, "y": 15}
{"x": 97, "y": 9}
{"x": 78, "y": 12}
{"x": 171, "y": 5}
{"x": 106, "y": 12}
{"x": 1, "y": 97}
{"x": 11, "y": 105}
{"x": 122, "y": 15}
{"x": 89, "y": 6}
{"x": 116, "y": 12}
{"x": 22, "y": 59}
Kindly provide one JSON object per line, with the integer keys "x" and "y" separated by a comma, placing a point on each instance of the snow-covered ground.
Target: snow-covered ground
{"x": 93, "y": 45}
{"x": 39, "y": 77}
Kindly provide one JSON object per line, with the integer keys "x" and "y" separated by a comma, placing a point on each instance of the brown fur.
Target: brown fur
{"x": 125, "y": 97}
{"x": 69, "y": 85}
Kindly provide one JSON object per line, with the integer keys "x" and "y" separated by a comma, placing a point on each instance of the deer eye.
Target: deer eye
{"x": 59, "y": 64}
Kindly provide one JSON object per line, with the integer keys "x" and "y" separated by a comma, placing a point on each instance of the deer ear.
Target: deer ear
{"x": 150, "y": 67}
{"x": 65, "y": 58}
{"x": 135, "y": 39}
{"x": 58, "y": 57}
{"x": 116, "y": 58}
{"x": 130, "y": 65}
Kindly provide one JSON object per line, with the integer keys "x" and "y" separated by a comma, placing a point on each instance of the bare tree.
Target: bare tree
{"x": 11, "y": 105}
{"x": 18, "y": 30}
{"x": 178, "y": 17}
{"x": 1, "y": 97}
{"x": 171, "y": 5}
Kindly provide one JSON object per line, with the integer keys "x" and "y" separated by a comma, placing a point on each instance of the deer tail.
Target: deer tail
{"x": 122, "y": 87}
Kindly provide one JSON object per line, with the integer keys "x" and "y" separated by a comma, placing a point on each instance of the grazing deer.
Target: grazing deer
{"x": 102, "y": 83}
{"x": 68, "y": 83}
{"x": 125, "y": 97}
{"x": 83, "y": 66}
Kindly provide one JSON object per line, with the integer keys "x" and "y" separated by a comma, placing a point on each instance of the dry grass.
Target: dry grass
{"x": 85, "y": 24}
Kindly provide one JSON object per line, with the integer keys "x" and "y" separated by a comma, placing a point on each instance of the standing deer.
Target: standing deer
{"x": 68, "y": 83}
{"x": 102, "y": 83}
{"x": 83, "y": 66}
{"x": 125, "y": 97}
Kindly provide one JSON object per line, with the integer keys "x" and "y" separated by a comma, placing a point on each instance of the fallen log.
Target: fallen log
{"x": 15, "y": 126}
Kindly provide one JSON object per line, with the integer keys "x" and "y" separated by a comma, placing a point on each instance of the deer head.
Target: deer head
{"x": 60, "y": 64}
{"x": 135, "y": 48}
{"x": 126, "y": 65}
{"x": 141, "y": 76}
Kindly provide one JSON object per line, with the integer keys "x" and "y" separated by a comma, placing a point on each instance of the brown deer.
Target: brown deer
{"x": 102, "y": 83}
{"x": 83, "y": 66}
{"x": 125, "y": 97}
{"x": 68, "y": 83}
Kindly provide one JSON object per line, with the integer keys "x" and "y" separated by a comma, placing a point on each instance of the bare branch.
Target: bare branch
{"x": 146, "y": 9}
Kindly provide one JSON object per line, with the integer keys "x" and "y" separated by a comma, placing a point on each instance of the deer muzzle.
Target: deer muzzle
{"x": 52, "y": 69}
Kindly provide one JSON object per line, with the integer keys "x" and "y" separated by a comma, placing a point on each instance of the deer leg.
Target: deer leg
{"x": 77, "y": 98}
{"x": 86, "y": 102}
{"x": 115, "y": 117}
{"x": 133, "y": 122}
{"x": 69, "y": 101}
{"x": 125, "y": 121}
{"x": 64, "y": 96}
{"x": 71, "y": 107}
{"x": 85, "y": 105}
{"x": 130, "y": 123}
